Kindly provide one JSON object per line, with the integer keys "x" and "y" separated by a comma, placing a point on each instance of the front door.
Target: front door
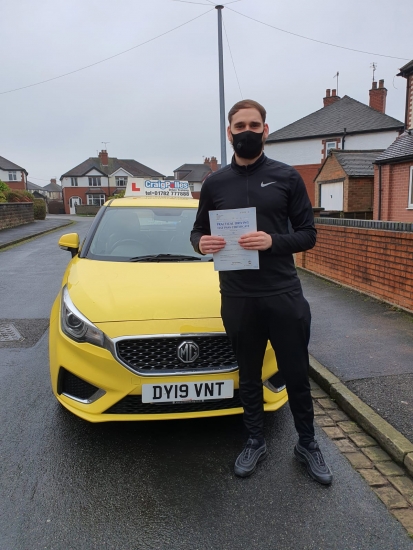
{"x": 73, "y": 202}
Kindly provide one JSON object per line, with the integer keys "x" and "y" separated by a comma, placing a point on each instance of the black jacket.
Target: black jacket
{"x": 279, "y": 194}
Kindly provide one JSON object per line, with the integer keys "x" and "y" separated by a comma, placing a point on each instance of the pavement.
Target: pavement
{"x": 14, "y": 235}
{"x": 367, "y": 345}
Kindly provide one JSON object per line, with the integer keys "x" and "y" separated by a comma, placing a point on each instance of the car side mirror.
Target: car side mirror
{"x": 70, "y": 242}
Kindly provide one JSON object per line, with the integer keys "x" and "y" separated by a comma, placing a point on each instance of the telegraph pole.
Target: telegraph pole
{"x": 219, "y": 8}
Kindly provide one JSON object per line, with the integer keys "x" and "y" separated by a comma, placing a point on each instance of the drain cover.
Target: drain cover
{"x": 9, "y": 333}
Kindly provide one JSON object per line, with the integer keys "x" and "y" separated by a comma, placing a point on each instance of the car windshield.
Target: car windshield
{"x": 145, "y": 234}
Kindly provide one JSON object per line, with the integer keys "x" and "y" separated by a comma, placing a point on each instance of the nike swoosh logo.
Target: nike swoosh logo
{"x": 265, "y": 184}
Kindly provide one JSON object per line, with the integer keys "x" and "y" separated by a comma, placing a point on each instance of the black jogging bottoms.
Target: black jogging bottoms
{"x": 285, "y": 320}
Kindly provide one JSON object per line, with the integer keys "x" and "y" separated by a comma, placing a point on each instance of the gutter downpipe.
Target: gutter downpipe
{"x": 379, "y": 209}
{"x": 343, "y": 140}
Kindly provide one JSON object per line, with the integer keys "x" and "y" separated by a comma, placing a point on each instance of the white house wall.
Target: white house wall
{"x": 121, "y": 172}
{"x": 306, "y": 151}
{"x": 84, "y": 181}
{"x": 378, "y": 140}
{"x": 4, "y": 175}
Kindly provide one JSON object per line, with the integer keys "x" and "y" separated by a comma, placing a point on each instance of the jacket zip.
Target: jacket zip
{"x": 248, "y": 189}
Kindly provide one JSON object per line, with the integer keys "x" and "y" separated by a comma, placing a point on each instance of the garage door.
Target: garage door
{"x": 332, "y": 195}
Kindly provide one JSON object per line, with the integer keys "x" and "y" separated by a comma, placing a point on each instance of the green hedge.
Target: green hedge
{"x": 4, "y": 189}
{"x": 39, "y": 207}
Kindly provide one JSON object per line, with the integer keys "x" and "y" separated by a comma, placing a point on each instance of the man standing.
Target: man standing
{"x": 265, "y": 304}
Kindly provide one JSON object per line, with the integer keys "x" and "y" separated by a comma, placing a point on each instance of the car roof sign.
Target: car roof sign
{"x": 141, "y": 187}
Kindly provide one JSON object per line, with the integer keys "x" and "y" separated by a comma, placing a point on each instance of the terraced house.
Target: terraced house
{"x": 96, "y": 179}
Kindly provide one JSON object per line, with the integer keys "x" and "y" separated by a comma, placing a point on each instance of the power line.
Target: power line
{"x": 229, "y": 47}
{"x": 107, "y": 58}
{"x": 187, "y": 2}
{"x": 315, "y": 40}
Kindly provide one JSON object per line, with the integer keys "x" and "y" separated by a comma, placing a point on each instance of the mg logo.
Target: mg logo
{"x": 187, "y": 351}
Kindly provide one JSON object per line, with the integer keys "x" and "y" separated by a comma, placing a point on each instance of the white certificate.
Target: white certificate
{"x": 231, "y": 224}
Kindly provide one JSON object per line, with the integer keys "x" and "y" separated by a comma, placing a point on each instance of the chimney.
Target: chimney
{"x": 53, "y": 181}
{"x": 214, "y": 164}
{"x": 330, "y": 99}
{"x": 103, "y": 157}
{"x": 378, "y": 97}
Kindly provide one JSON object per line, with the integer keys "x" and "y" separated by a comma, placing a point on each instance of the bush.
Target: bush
{"x": 18, "y": 195}
{"x": 119, "y": 195}
{"x": 39, "y": 206}
{"x": 4, "y": 188}
{"x": 2, "y": 197}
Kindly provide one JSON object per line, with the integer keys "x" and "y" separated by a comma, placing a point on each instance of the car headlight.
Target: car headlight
{"x": 76, "y": 326}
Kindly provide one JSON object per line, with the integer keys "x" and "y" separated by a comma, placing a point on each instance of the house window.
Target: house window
{"x": 411, "y": 188}
{"x": 12, "y": 176}
{"x": 95, "y": 200}
{"x": 191, "y": 187}
{"x": 121, "y": 181}
{"x": 73, "y": 182}
{"x": 331, "y": 145}
{"x": 94, "y": 181}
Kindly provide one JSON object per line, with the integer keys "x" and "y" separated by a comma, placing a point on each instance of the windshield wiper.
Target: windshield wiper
{"x": 165, "y": 258}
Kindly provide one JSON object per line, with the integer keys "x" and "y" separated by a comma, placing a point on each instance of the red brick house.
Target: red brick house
{"x": 345, "y": 183}
{"x": 15, "y": 176}
{"x": 342, "y": 123}
{"x": 393, "y": 181}
{"x": 196, "y": 174}
{"x": 96, "y": 179}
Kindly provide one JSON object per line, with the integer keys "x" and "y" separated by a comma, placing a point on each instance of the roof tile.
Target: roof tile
{"x": 347, "y": 113}
{"x": 400, "y": 148}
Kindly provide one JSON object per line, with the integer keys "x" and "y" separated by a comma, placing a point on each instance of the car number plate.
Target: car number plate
{"x": 187, "y": 391}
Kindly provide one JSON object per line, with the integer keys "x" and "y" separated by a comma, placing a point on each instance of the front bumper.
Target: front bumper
{"x": 98, "y": 388}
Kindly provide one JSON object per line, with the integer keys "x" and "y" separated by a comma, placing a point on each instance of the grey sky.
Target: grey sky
{"x": 158, "y": 103}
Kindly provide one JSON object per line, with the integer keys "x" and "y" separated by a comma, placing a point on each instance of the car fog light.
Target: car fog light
{"x": 76, "y": 326}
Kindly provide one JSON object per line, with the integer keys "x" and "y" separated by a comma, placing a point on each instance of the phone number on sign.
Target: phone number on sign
{"x": 167, "y": 193}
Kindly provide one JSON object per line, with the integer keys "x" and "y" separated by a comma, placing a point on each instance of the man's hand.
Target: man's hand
{"x": 209, "y": 244}
{"x": 258, "y": 240}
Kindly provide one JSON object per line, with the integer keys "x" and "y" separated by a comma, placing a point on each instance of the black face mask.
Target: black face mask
{"x": 247, "y": 145}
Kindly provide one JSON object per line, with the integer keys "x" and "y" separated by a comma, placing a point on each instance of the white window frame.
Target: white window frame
{"x": 91, "y": 199}
{"x": 74, "y": 182}
{"x": 12, "y": 175}
{"x": 334, "y": 143}
{"x": 121, "y": 181}
{"x": 410, "y": 197}
{"x": 95, "y": 181}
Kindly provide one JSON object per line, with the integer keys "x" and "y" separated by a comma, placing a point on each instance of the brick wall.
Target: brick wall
{"x": 394, "y": 192}
{"x": 308, "y": 172}
{"x": 360, "y": 194}
{"x": 13, "y": 214}
{"x": 378, "y": 262}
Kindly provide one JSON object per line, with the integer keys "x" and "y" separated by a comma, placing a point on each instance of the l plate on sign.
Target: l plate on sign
{"x": 9, "y": 333}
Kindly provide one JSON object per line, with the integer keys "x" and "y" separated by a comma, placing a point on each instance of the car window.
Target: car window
{"x": 131, "y": 232}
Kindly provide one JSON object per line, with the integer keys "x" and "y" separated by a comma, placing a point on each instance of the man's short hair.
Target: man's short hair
{"x": 247, "y": 104}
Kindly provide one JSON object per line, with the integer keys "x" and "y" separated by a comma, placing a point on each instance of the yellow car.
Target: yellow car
{"x": 136, "y": 331}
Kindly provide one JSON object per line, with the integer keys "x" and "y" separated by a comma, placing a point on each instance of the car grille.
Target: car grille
{"x": 132, "y": 404}
{"x": 74, "y": 386}
{"x": 154, "y": 356}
